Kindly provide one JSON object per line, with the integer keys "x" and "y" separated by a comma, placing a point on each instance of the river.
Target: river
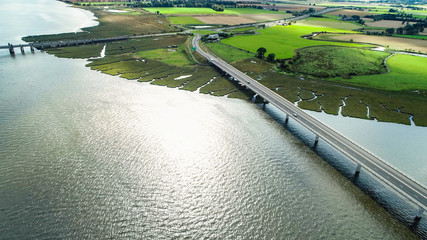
{"x": 84, "y": 155}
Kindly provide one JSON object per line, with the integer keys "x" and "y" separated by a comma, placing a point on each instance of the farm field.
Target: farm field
{"x": 294, "y": 7}
{"x": 412, "y": 36}
{"x": 182, "y": 20}
{"x": 223, "y": 20}
{"x": 283, "y": 40}
{"x": 407, "y": 73}
{"x": 386, "y": 24}
{"x": 392, "y": 42}
{"x": 266, "y": 17}
{"x": 195, "y": 11}
{"x": 328, "y": 22}
{"x": 350, "y": 13}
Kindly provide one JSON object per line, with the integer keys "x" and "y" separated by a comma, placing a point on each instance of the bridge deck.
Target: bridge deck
{"x": 392, "y": 177}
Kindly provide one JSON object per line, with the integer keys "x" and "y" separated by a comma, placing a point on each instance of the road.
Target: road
{"x": 371, "y": 163}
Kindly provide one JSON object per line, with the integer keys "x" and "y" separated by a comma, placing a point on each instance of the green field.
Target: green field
{"x": 283, "y": 40}
{"x": 411, "y": 36}
{"x": 331, "y": 61}
{"x": 228, "y": 53}
{"x": 328, "y": 22}
{"x": 169, "y": 56}
{"x": 190, "y": 11}
{"x": 407, "y": 73}
{"x": 239, "y": 30}
{"x": 183, "y": 20}
{"x": 203, "y": 32}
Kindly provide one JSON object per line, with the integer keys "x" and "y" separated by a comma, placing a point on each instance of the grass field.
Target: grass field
{"x": 239, "y": 30}
{"x": 328, "y": 22}
{"x": 228, "y": 53}
{"x": 195, "y": 11}
{"x": 203, "y": 32}
{"x": 283, "y": 40}
{"x": 175, "y": 57}
{"x": 183, "y": 20}
{"x": 424, "y": 37}
{"x": 407, "y": 73}
{"x": 338, "y": 61}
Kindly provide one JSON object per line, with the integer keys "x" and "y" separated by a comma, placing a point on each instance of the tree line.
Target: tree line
{"x": 408, "y": 29}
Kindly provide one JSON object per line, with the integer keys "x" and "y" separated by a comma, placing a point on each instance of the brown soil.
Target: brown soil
{"x": 393, "y": 42}
{"x": 387, "y": 24}
{"x": 228, "y": 20}
{"x": 350, "y": 13}
{"x": 265, "y": 17}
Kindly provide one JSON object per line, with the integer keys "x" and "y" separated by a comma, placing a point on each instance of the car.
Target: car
{"x": 295, "y": 115}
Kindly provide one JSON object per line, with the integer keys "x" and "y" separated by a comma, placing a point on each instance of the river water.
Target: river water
{"x": 85, "y": 155}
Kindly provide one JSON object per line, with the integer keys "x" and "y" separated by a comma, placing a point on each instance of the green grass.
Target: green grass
{"x": 228, "y": 53}
{"x": 189, "y": 11}
{"x": 328, "y": 22}
{"x": 338, "y": 61}
{"x": 183, "y": 20}
{"x": 203, "y": 32}
{"x": 411, "y": 36}
{"x": 175, "y": 57}
{"x": 407, "y": 73}
{"x": 283, "y": 40}
{"x": 239, "y": 30}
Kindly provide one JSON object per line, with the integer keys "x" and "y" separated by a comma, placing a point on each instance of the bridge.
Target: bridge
{"x": 398, "y": 181}
{"x": 44, "y": 45}
{"x": 57, "y": 44}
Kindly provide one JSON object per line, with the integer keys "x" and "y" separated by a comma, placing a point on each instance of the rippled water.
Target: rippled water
{"x": 85, "y": 155}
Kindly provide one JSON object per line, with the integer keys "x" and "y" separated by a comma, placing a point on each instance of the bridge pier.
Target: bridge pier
{"x": 357, "y": 172}
{"x": 22, "y": 49}
{"x": 287, "y": 119}
{"x": 32, "y": 48}
{"x": 11, "y": 49}
{"x": 264, "y": 102}
{"x": 316, "y": 141}
{"x": 418, "y": 215}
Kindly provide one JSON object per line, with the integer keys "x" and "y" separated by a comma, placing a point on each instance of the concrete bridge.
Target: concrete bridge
{"x": 58, "y": 44}
{"x": 45, "y": 45}
{"x": 398, "y": 181}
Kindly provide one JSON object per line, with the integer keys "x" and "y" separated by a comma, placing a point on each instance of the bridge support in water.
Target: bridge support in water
{"x": 316, "y": 141}
{"x": 22, "y": 49}
{"x": 264, "y": 102}
{"x": 357, "y": 172}
{"x": 11, "y": 49}
{"x": 419, "y": 214}
{"x": 287, "y": 119}
{"x": 32, "y": 48}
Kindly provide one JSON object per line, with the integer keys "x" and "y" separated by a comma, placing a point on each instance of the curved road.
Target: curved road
{"x": 371, "y": 163}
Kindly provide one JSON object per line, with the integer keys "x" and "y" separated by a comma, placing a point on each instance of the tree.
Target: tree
{"x": 260, "y": 52}
{"x": 399, "y": 30}
{"x": 389, "y": 31}
{"x": 271, "y": 57}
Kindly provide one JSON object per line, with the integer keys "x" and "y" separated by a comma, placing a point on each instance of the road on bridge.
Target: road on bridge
{"x": 371, "y": 163}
